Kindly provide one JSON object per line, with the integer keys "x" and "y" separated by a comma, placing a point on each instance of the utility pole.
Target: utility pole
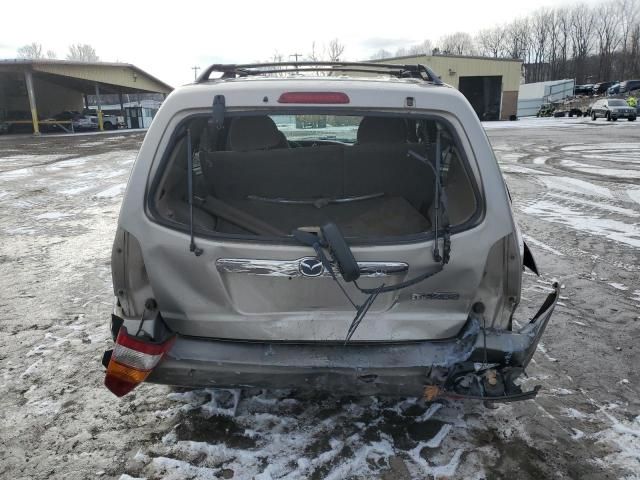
{"x": 195, "y": 72}
{"x": 296, "y": 55}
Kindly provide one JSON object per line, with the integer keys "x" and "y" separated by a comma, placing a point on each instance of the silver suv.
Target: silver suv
{"x": 612, "y": 109}
{"x": 335, "y": 226}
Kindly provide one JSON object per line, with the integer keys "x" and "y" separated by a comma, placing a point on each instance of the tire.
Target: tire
{"x": 608, "y": 117}
{"x": 615, "y": 119}
{"x": 107, "y": 125}
{"x": 632, "y": 119}
{"x": 593, "y": 116}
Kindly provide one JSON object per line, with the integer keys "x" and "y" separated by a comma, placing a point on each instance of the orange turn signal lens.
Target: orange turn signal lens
{"x": 132, "y": 360}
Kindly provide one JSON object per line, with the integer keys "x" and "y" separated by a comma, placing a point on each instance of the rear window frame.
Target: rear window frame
{"x": 153, "y": 183}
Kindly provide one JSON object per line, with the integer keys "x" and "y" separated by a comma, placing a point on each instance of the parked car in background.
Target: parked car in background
{"x": 80, "y": 122}
{"x": 335, "y": 233}
{"x": 586, "y": 89}
{"x": 613, "y": 109}
{"x": 629, "y": 86}
{"x": 4, "y": 127}
{"x": 614, "y": 89}
{"x": 109, "y": 122}
{"x": 76, "y": 119}
{"x": 602, "y": 87}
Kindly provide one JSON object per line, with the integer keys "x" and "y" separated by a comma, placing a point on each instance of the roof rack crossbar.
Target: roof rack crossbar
{"x": 397, "y": 70}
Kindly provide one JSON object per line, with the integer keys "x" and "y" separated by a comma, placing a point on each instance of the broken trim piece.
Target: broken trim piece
{"x": 499, "y": 399}
{"x": 528, "y": 260}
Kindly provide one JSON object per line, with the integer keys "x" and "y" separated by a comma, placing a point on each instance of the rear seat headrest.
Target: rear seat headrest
{"x": 253, "y": 133}
{"x": 382, "y": 130}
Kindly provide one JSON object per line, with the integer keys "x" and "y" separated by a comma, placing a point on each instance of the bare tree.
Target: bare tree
{"x": 492, "y": 42}
{"x": 629, "y": 11}
{"x": 315, "y": 55}
{"x": 582, "y": 38}
{"x": 401, "y": 52}
{"x": 634, "y": 67}
{"x": 424, "y": 48}
{"x": 539, "y": 25}
{"x": 558, "y": 33}
{"x": 335, "y": 49}
{"x": 51, "y": 55}
{"x": 608, "y": 38}
{"x": 518, "y": 39}
{"x": 380, "y": 54}
{"x": 459, "y": 43}
{"x": 82, "y": 52}
{"x": 599, "y": 44}
{"x": 31, "y": 51}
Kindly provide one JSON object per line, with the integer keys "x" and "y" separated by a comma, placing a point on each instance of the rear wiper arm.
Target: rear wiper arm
{"x": 440, "y": 201}
{"x": 339, "y": 251}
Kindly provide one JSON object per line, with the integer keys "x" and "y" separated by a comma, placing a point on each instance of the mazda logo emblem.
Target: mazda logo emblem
{"x": 311, "y": 267}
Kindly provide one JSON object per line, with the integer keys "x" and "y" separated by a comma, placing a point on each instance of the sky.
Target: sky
{"x": 167, "y": 39}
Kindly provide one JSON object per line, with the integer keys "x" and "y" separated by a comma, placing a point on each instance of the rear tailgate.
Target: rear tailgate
{"x": 254, "y": 291}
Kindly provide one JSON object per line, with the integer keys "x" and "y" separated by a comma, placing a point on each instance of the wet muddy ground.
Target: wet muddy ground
{"x": 576, "y": 193}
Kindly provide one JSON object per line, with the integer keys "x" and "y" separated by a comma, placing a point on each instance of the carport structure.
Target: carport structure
{"x": 43, "y": 88}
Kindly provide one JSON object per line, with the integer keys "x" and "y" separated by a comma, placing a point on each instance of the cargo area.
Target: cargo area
{"x": 372, "y": 176}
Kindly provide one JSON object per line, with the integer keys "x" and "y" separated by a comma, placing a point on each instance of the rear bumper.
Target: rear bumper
{"x": 623, "y": 115}
{"x": 393, "y": 369}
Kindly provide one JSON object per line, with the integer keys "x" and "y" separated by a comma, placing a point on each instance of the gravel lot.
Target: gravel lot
{"x": 576, "y": 191}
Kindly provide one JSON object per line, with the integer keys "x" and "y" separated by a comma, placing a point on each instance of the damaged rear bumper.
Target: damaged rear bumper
{"x": 455, "y": 368}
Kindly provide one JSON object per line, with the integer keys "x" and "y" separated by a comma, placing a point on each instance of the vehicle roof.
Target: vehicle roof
{"x": 286, "y": 78}
{"x": 363, "y": 91}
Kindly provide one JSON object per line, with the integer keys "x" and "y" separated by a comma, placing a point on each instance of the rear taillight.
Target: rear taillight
{"x": 314, "y": 97}
{"x": 132, "y": 361}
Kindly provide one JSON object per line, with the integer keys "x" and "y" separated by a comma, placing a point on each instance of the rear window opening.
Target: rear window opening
{"x": 263, "y": 176}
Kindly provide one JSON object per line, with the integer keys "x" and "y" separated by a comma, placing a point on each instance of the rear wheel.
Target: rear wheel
{"x": 593, "y": 116}
{"x": 632, "y": 119}
{"x": 108, "y": 126}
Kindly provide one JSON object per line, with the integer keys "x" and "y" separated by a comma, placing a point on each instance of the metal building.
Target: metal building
{"x": 490, "y": 84}
{"x": 32, "y": 91}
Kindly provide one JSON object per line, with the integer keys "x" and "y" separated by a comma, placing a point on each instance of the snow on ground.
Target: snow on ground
{"x": 574, "y": 185}
{"x": 554, "y": 123}
{"x": 530, "y": 240}
{"x": 595, "y": 224}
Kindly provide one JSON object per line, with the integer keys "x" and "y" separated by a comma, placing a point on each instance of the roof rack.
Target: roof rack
{"x": 228, "y": 71}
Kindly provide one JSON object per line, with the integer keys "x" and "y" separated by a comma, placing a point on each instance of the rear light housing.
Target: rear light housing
{"x": 132, "y": 360}
{"x": 314, "y": 97}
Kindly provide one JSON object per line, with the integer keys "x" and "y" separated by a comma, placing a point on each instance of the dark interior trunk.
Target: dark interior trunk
{"x": 369, "y": 190}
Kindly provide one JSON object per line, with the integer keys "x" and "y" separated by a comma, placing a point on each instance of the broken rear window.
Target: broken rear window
{"x": 263, "y": 176}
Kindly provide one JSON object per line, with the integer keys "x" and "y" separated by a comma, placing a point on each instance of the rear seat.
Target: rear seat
{"x": 389, "y": 169}
{"x": 296, "y": 173}
{"x": 378, "y": 164}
